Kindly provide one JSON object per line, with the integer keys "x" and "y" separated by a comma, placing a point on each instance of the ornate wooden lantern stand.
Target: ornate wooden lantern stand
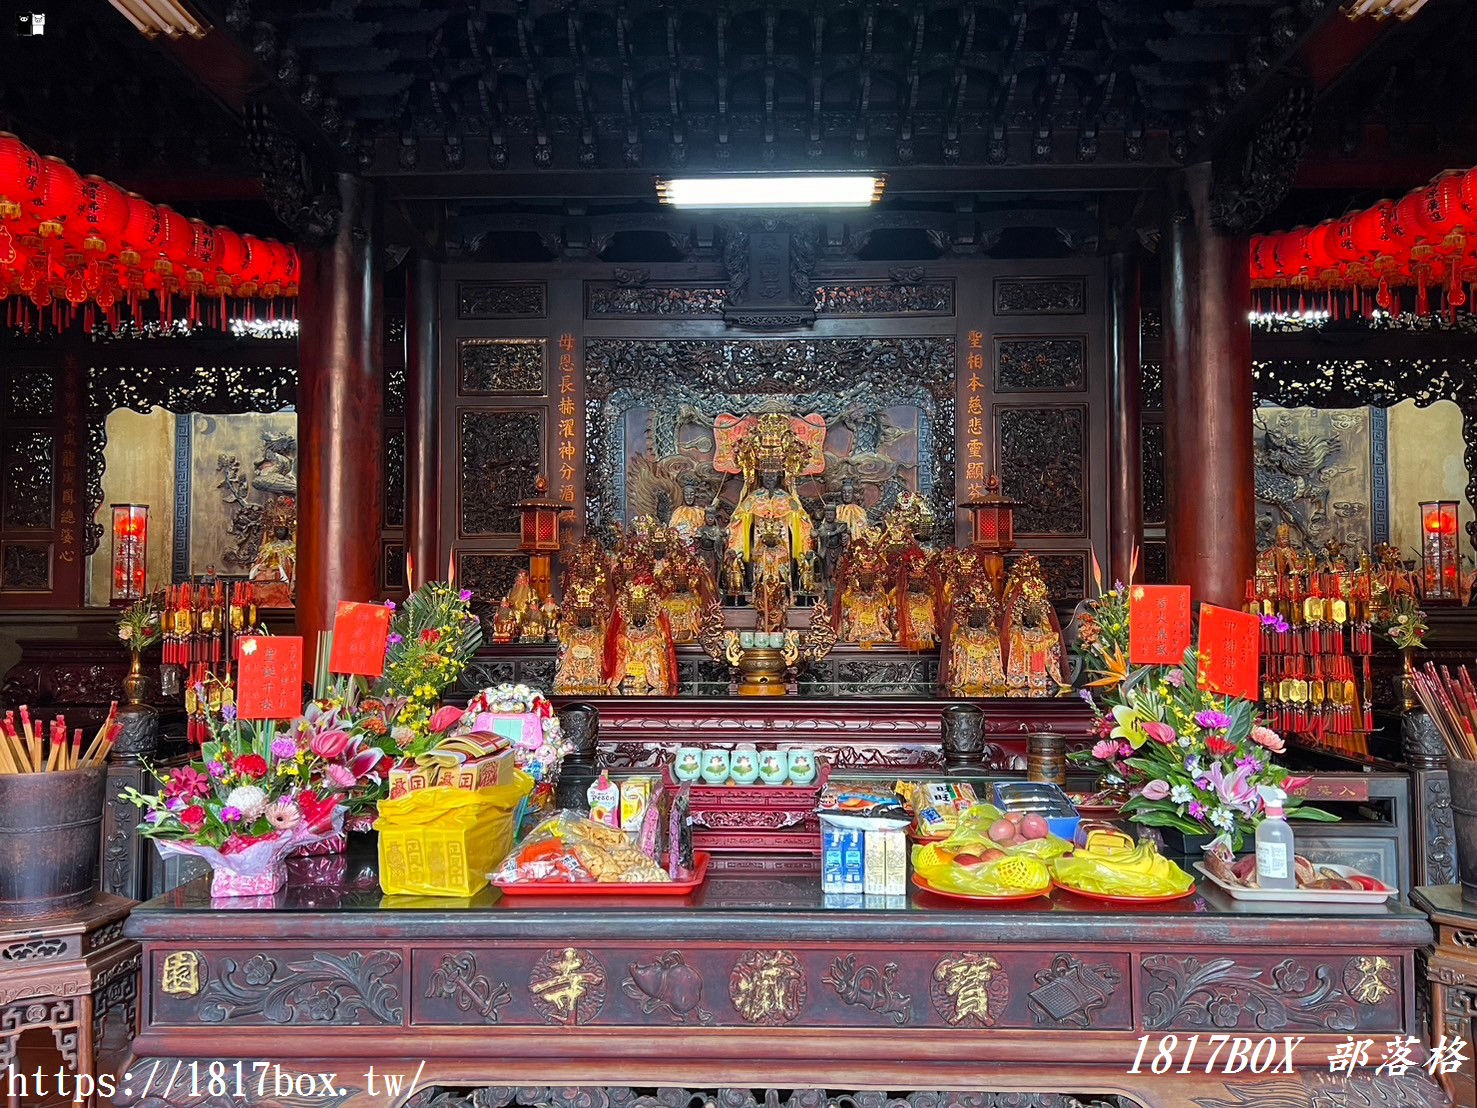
{"x": 539, "y": 534}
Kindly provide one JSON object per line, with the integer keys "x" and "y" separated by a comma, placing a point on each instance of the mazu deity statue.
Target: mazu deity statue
{"x": 770, "y": 534}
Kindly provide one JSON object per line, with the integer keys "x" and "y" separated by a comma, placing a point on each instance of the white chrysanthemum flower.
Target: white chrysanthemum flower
{"x": 249, "y": 800}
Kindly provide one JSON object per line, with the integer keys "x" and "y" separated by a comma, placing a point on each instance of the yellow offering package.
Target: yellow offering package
{"x": 443, "y": 841}
{"x": 1013, "y": 874}
{"x": 1112, "y": 864}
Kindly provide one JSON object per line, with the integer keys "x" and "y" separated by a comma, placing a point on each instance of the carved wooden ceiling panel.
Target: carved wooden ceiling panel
{"x": 419, "y": 88}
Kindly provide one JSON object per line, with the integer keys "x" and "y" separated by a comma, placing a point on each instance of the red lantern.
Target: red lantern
{"x": 1411, "y": 223}
{"x": 254, "y": 266}
{"x": 61, "y": 197}
{"x": 20, "y": 183}
{"x": 102, "y": 215}
{"x": 275, "y": 274}
{"x": 1373, "y": 230}
{"x": 174, "y": 245}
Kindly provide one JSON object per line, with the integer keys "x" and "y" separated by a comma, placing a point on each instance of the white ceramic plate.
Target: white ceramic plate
{"x": 1303, "y": 896}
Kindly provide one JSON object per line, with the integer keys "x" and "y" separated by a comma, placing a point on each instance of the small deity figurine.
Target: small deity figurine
{"x": 274, "y": 570}
{"x": 863, "y": 610}
{"x": 831, "y": 537}
{"x": 1031, "y": 638}
{"x": 688, "y": 518}
{"x": 521, "y": 595}
{"x": 504, "y": 623}
{"x": 909, "y": 520}
{"x": 970, "y": 662}
{"x": 580, "y": 669}
{"x": 1285, "y": 556}
{"x": 640, "y": 656}
{"x": 710, "y": 539}
{"x": 771, "y": 598}
{"x": 850, "y": 511}
{"x": 531, "y": 625}
{"x": 733, "y": 574}
{"x": 917, "y": 592}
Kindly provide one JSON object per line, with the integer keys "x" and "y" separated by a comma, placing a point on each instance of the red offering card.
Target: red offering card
{"x": 1230, "y": 645}
{"x": 1158, "y": 624}
{"x": 270, "y": 677}
{"x": 359, "y": 633}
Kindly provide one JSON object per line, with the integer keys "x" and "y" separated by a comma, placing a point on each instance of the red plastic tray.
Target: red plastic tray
{"x": 978, "y": 898}
{"x": 700, "y": 859}
{"x": 1109, "y": 898}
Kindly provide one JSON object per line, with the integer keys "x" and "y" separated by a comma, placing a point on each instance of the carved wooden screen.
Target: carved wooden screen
{"x": 1032, "y": 408}
{"x": 41, "y": 512}
{"x": 539, "y": 362}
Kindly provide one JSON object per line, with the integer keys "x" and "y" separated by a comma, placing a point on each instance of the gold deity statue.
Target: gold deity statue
{"x": 1031, "y": 639}
{"x": 580, "y": 669}
{"x": 641, "y": 657}
{"x": 917, "y": 593}
{"x": 274, "y": 570}
{"x": 770, "y": 524}
{"x": 688, "y": 517}
{"x": 864, "y": 604}
{"x": 850, "y": 511}
{"x": 970, "y": 661}
{"x": 686, "y": 587}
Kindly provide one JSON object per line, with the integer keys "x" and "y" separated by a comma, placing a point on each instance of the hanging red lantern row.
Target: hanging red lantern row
{"x": 1425, "y": 241}
{"x": 69, "y": 242}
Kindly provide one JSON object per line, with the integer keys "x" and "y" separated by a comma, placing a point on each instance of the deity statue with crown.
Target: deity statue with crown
{"x": 770, "y": 532}
{"x": 273, "y": 572}
{"x": 580, "y": 669}
{"x": 640, "y": 653}
{"x": 687, "y": 590}
{"x": 1031, "y": 637}
{"x": 864, "y": 610}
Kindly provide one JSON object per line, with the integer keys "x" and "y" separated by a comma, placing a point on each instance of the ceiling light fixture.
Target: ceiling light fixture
{"x": 850, "y": 191}
{"x": 1382, "y": 9}
{"x": 171, "y": 18}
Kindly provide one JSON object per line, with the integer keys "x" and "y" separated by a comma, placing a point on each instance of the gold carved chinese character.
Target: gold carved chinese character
{"x": 180, "y": 974}
{"x": 1370, "y": 978}
{"x": 969, "y": 990}
{"x": 568, "y": 986}
{"x": 768, "y": 986}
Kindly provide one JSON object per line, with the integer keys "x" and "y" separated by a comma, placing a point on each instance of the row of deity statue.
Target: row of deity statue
{"x": 624, "y": 612}
{"x": 995, "y": 636}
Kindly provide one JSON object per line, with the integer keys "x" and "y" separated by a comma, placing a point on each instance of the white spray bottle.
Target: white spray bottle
{"x": 1275, "y": 868}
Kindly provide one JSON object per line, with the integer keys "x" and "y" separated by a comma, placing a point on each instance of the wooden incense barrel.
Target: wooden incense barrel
{"x": 50, "y": 834}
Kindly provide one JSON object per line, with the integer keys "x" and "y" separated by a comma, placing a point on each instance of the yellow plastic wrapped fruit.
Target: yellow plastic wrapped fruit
{"x": 1011, "y": 875}
{"x": 1113, "y": 865}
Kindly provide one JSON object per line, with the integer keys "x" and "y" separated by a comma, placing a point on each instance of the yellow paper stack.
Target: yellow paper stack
{"x": 444, "y": 841}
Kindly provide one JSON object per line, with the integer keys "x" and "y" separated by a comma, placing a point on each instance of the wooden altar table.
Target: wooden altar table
{"x": 759, "y": 989}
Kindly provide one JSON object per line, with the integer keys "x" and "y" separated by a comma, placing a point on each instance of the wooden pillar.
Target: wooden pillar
{"x": 1211, "y": 524}
{"x": 422, "y": 383}
{"x": 340, "y": 405}
{"x": 1125, "y": 424}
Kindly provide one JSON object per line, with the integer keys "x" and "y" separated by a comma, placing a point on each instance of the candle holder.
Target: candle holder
{"x": 1441, "y": 576}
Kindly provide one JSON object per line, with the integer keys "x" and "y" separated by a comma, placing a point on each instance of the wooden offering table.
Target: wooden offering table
{"x": 760, "y": 989}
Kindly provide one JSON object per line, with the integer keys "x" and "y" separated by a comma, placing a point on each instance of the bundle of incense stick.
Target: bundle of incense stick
{"x": 1451, "y": 702}
{"x": 40, "y": 747}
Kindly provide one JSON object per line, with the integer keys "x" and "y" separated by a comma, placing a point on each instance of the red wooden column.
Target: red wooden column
{"x": 422, "y": 390}
{"x": 1211, "y": 523}
{"x": 1125, "y": 422}
{"x": 340, "y": 403}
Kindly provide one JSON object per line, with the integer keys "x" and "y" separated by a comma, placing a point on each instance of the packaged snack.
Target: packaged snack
{"x": 936, "y": 805}
{"x": 635, "y": 799}
{"x": 605, "y": 800}
{"x": 571, "y": 848}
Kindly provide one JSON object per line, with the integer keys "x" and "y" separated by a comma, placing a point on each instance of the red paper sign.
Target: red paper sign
{"x": 1230, "y": 648}
{"x": 359, "y": 633}
{"x": 1158, "y": 624}
{"x": 271, "y": 677}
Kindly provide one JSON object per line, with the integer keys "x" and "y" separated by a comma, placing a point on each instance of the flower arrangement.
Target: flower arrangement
{"x": 254, "y": 794}
{"x": 139, "y": 625}
{"x": 1402, "y": 621}
{"x": 432, "y": 637}
{"x": 1190, "y": 759}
